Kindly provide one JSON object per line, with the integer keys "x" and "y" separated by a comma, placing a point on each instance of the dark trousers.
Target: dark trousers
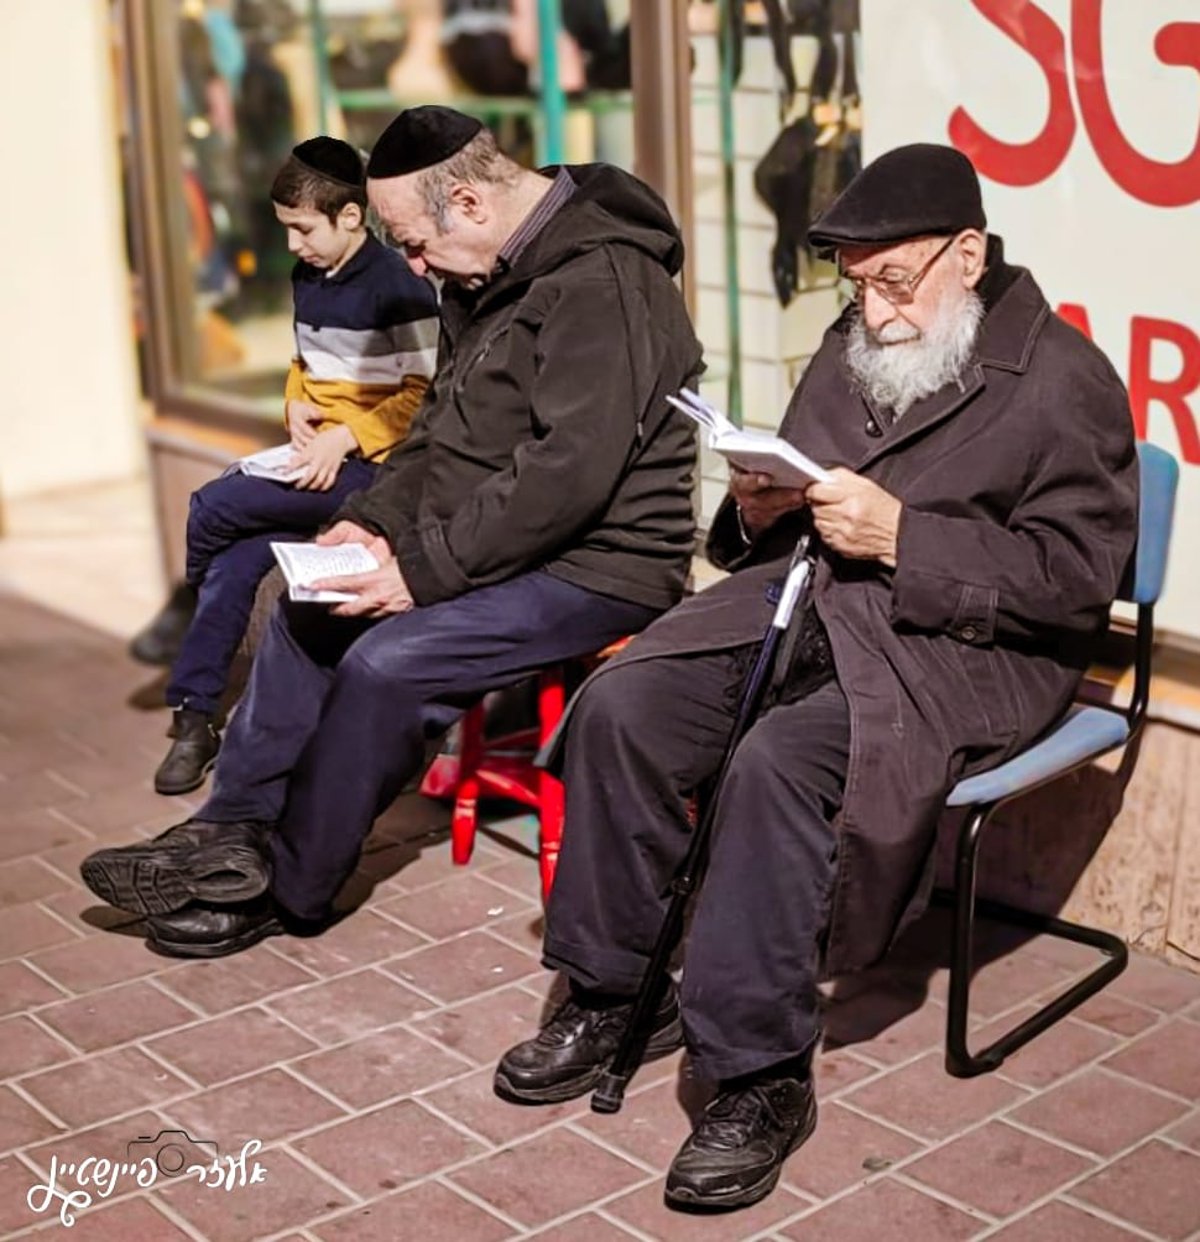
{"x": 232, "y": 522}
{"x": 335, "y": 718}
{"x": 643, "y": 738}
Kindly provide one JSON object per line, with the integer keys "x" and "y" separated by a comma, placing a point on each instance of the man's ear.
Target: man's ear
{"x": 470, "y": 202}
{"x": 351, "y": 217}
{"x": 972, "y": 248}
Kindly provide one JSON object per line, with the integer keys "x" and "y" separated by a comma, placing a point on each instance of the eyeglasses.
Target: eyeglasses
{"x": 898, "y": 290}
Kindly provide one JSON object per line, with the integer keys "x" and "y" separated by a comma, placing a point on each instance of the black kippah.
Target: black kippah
{"x": 331, "y": 158}
{"x": 907, "y": 192}
{"x": 419, "y": 138}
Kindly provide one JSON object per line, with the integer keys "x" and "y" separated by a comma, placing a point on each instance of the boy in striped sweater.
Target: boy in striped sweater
{"x": 366, "y": 343}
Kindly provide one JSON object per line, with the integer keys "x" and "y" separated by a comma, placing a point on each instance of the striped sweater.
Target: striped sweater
{"x": 366, "y": 344}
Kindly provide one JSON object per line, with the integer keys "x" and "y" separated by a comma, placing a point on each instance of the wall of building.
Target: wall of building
{"x": 70, "y": 390}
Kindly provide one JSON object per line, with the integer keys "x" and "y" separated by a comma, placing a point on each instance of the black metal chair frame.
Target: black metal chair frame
{"x": 960, "y": 1061}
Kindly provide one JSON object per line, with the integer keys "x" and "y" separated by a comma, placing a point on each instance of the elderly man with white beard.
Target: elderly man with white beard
{"x": 979, "y": 518}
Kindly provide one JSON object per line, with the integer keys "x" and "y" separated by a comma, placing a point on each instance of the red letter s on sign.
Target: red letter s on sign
{"x": 1150, "y": 181}
{"x": 1029, "y": 162}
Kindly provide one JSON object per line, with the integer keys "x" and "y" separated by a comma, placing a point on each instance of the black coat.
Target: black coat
{"x": 1019, "y": 519}
{"x": 544, "y": 440}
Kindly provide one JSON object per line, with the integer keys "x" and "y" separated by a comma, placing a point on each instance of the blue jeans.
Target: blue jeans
{"x": 334, "y": 721}
{"x": 231, "y": 524}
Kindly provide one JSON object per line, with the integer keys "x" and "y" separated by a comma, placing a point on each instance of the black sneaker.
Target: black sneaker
{"x": 160, "y": 641}
{"x": 572, "y": 1052}
{"x": 194, "y": 861}
{"x": 204, "y": 930}
{"x": 192, "y": 753}
{"x": 735, "y": 1154}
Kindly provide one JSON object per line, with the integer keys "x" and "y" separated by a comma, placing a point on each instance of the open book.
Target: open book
{"x": 758, "y": 451}
{"x": 304, "y": 563}
{"x": 271, "y": 463}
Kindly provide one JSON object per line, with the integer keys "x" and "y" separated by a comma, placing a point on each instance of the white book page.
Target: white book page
{"x": 764, "y": 453}
{"x": 304, "y": 563}
{"x": 271, "y": 463}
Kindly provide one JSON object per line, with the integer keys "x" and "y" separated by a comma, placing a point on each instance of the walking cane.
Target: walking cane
{"x": 610, "y": 1093}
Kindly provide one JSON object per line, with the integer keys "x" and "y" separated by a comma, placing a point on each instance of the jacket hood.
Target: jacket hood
{"x": 609, "y": 206}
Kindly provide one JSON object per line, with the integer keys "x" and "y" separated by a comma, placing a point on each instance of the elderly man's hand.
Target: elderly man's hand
{"x": 380, "y": 593}
{"x": 346, "y": 531}
{"x": 856, "y": 517}
{"x": 759, "y": 501}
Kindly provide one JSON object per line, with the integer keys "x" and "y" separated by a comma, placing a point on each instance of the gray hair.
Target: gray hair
{"x": 480, "y": 162}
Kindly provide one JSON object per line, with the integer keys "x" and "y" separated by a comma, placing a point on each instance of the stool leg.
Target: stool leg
{"x": 466, "y": 800}
{"x": 551, "y": 801}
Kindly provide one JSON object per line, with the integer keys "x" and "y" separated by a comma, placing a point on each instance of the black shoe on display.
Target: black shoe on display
{"x": 735, "y": 1154}
{"x": 203, "y": 930}
{"x": 571, "y": 1053}
{"x": 194, "y": 861}
{"x": 192, "y": 755}
{"x": 159, "y": 642}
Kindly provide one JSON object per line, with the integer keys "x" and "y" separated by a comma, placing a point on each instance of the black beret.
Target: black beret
{"x": 419, "y": 138}
{"x": 907, "y": 192}
{"x": 331, "y": 158}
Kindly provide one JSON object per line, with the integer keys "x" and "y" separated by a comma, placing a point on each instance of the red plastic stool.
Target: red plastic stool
{"x": 503, "y": 767}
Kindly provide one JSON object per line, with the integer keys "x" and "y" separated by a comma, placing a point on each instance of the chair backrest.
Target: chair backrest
{"x": 1156, "y": 514}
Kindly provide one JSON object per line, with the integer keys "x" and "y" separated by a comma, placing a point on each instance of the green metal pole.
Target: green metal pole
{"x": 321, "y": 54}
{"x": 552, "y": 130}
{"x": 733, "y": 299}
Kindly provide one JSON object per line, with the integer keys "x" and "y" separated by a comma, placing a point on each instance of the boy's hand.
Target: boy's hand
{"x": 759, "y": 501}
{"x": 856, "y": 517}
{"x": 301, "y": 418}
{"x": 322, "y": 457}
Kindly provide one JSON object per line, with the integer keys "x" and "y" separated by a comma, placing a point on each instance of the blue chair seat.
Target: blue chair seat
{"x": 1084, "y": 733}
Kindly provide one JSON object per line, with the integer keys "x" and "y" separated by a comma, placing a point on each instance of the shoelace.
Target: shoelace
{"x": 729, "y": 1120}
{"x": 562, "y": 1026}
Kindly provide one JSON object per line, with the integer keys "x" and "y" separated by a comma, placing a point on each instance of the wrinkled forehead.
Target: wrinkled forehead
{"x": 870, "y": 260}
{"x": 397, "y": 200}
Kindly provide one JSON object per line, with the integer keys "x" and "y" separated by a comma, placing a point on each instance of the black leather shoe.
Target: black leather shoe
{"x": 735, "y": 1154}
{"x": 571, "y": 1053}
{"x": 192, "y": 753}
{"x": 194, "y": 861}
{"x": 160, "y": 641}
{"x": 203, "y": 930}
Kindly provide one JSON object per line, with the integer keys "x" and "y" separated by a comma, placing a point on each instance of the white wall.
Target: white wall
{"x": 68, "y": 410}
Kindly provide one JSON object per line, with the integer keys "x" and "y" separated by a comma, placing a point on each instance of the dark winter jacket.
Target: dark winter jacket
{"x": 544, "y": 440}
{"x": 1020, "y": 499}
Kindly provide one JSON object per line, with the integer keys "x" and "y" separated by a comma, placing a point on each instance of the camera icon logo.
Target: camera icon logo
{"x": 173, "y": 1151}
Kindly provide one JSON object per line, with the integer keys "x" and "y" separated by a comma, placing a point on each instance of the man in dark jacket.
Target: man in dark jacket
{"x": 981, "y": 513}
{"x": 539, "y": 509}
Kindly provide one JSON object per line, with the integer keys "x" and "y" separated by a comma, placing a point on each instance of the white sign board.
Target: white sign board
{"x": 1083, "y": 120}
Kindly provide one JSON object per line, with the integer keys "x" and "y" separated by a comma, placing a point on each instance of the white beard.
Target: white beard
{"x": 899, "y": 365}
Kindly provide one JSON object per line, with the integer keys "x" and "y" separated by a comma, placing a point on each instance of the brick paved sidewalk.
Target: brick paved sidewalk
{"x": 362, "y": 1059}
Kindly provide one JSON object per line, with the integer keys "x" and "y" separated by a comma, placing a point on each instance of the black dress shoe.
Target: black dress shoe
{"x": 571, "y": 1053}
{"x": 192, "y": 753}
{"x": 203, "y": 930}
{"x": 735, "y": 1154}
{"x": 194, "y": 861}
{"x": 160, "y": 641}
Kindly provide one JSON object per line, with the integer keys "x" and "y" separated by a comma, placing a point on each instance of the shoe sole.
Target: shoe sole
{"x": 687, "y": 1199}
{"x": 220, "y": 948}
{"x": 162, "y": 787}
{"x": 661, "y": 1045}
{"x": 156, "y": 879}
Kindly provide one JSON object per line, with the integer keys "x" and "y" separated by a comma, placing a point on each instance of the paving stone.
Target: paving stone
{"x": 25, "y": 1046}
{"x": 1168, "y": 1057}
{"x": 1052, "y": 1055}
{"x": 846, "y": 1148}
{"x": 884, "y": 1209}
{"x": 20, "y": 1123}
{"x": 217, "y": 986}
{"x": 1099, "y": 1112}
{"x": 457, "y": 905}
{"x": 1156, "y": 1187}
{"x": 225, "y": 1047}
{"x": 1154, "y": 983}
{"x": 1062, "y": 1222}
{"x": 486, "y": 1027}
{"x": 25, "y": 929}
{"x": 998, "y": 1169}
{"x": 348, "y": 1006}
{"x": 644, "y": 1209}
{"x": 129, "y": 1011}
{"x": 384, "y": 1149}
{"x": 361, "y": 939}
{"x": 431, "y": 1212}
{"x": 27, "y": 879}
{"x": 456, "y": 969}
{"x": 22, "y": 988}
{"x": 546, "y": 1177}
{"x": 98, "y": 962}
